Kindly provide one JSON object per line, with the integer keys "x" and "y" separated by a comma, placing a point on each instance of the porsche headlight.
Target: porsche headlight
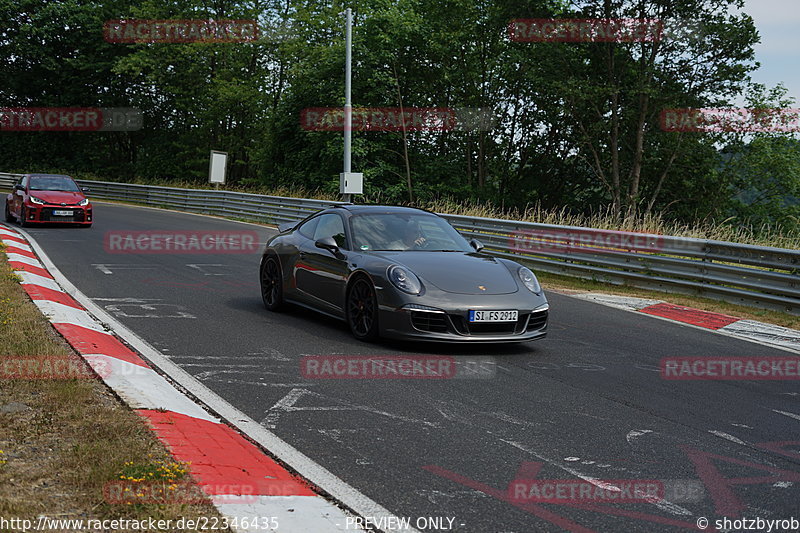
{"x": 404, "y": 279}
{"x": 84, "y": 202}
{"x": 529, "y": 280}
{"x": 39, "y": 201}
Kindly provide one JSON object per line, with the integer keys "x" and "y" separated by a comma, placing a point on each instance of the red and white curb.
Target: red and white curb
{"x": 240, "y": 479}
{"x": 760, "y": 332}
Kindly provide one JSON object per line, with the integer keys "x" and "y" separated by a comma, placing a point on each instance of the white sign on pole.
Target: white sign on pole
{"x": 217, "y": 166}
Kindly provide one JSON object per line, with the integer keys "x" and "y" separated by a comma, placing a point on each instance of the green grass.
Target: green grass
{"x": 75, "y": 435}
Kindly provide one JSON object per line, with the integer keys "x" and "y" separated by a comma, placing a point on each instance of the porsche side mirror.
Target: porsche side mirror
{"x": 327, "y": 243}
{"x": 19, "y": 187}
{"x": 478, "y": 245}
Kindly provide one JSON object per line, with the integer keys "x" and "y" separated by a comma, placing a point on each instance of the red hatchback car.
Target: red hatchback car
{"x": 48, "y": 198}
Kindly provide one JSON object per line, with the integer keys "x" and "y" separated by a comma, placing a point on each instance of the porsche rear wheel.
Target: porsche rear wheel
{"x": 362, "y": 310}
{"x": 9, "y": 217}
{"x": 271, "y": 284}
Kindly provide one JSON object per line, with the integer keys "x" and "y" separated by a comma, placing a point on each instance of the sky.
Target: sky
{"x": 778, "y": 23}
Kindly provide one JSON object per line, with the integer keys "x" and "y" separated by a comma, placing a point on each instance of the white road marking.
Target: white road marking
{"x": 727, "y": 436}
{"x": 226, "y": 365}
{"x": 594, "y": 481}
{"x": 784, "y": 413}
{"x": 434, "y": 495}
{"x": 664, "y": 505}
{"x": 260, "y": 383}
{"x": 337, "y": 435}
{"x": 105, "y": 268}
{"x": 148, "y": 310}
{"x": 269, "y": 353}
{"x": 287, "y": 405}
{"x": 214, "y": 357}
{"x": 202, "y": 268}
{"x": 513, "y": 420}
{"x": 202, "y": 376}
{"x": 637, "y": 433}
{"x": 128, "y": 300}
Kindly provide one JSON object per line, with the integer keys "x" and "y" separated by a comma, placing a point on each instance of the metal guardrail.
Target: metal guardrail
{"x": 757, "y": 276}
{"x": 7, "y": 180}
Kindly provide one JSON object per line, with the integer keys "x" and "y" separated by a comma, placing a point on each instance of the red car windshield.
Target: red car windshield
{"x": 52, "y": 183}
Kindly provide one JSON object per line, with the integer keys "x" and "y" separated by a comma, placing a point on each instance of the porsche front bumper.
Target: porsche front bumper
{"x": 450, "y": 322}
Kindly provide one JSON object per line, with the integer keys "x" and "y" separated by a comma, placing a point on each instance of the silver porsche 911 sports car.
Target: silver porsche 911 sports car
{"x": 403, "y": 273}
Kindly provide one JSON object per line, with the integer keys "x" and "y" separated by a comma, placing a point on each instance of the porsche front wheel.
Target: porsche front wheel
{"x": 271, "y": 284}
{"x": 362, "y": 310}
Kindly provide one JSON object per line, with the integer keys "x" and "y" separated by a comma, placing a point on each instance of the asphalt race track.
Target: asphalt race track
{"x": 586, "y": 403}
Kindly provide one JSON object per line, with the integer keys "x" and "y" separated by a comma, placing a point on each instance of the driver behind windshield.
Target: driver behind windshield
{"x": 412, "y": 237}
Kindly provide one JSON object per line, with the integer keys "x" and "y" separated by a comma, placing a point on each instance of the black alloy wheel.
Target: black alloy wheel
{"x": 362, "y": 310}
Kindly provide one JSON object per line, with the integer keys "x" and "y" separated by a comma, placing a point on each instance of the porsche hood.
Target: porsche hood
{"x": 458, "y": 272}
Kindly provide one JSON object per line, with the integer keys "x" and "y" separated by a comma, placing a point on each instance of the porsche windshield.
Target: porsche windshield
{"x": 53, "y": 183}
{"x": 403, "y": 231}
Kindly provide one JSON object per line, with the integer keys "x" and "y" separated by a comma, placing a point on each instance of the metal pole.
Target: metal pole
{"x": 348, "y": 107}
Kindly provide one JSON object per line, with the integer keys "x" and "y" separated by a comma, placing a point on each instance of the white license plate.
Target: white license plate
{"x": 493, "y": 316}
{"x": 62, "y": 213}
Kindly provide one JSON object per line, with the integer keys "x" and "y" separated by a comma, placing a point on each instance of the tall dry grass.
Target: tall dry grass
{"x": 727, "y": 230}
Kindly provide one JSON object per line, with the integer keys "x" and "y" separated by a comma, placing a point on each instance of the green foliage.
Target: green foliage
{"x": 576, "y": 125}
